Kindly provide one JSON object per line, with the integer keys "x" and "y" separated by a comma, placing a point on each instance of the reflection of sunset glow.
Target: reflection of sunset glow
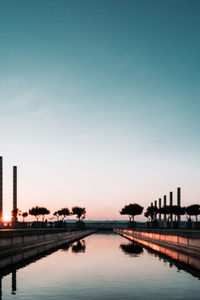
{"x": 187, "y": 259}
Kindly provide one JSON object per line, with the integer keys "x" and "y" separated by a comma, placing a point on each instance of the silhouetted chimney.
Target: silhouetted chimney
{"x": 159, "y": 208}
{"x": 165, "y": 203}
{"x": 179, "y": 196}
{"x": 179, "y": 200}
{"x": 155, "y": 204}
{"x": 171, "y": 203}
{"x": 1, "y": 189}
{"x": 14, "y": 219}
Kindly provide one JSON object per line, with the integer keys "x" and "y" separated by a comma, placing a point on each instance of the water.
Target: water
{"x": 102, "y": 266}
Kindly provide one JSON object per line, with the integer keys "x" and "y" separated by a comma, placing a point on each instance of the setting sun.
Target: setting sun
{"x": 6, "y": 218}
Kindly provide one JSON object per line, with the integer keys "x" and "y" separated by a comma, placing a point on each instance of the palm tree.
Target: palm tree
{"x": 151, "y": 212}
{"x": 64, "y": 212}
{"x": 56, "y": 214}
{"x": 132, "y": 210}
{"x": 147, "y": 215}
{"x": 177, "y": 211}
{"x": 167, "y": 210}
{"x": 24, "y": 215}
{"x": 39, "y": 211}
{"x": 193, "y": 210}
{"x": 44, "y": 211}
{"x": 79, "y": 212}
{"x": 35, "y": 211}
{"x": 16, "y": 212}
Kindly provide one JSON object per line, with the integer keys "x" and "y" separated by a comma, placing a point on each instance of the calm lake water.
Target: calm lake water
{"x": 101, "y": 266}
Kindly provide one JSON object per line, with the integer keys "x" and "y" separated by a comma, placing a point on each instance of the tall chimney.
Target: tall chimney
{"x": 1, "y": 189}
{"x": 165, "y": 204}
{"x": 171, "y": 203}
{"x": 179, "y": 200}
{"x": 159, "y": 208}
{"x": 155, "y": 204}
{"x": 14, "y": 194}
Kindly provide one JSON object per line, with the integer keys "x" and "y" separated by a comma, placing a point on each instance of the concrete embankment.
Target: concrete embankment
{"x": 18, "y": 245}
{"x": 180, "y": 245}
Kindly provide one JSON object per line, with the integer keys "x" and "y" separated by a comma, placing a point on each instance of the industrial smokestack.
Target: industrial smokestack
{"x": 165, "y": 204}
{"x": 159, "y": 208}
{"x": 179, "y": 200}
{"x": 171, "y": 203}
{"x": 155, "y": 204}
{"x": 1, "y": 189}
{"x": 179, "y": 196}
{"x": 14, "y": 194}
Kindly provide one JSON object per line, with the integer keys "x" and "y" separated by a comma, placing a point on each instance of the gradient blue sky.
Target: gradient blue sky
{"x": 99, "y": 102}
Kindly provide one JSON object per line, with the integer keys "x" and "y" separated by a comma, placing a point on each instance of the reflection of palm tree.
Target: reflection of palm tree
{"x": 133, "y": 249}
{"x": 79, "y": 246}
{"x": 66, "y": 247}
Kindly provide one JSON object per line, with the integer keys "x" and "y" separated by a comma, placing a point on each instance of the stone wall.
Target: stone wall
{"x": 183, "y": 241}
{"x": 19, "y": 245}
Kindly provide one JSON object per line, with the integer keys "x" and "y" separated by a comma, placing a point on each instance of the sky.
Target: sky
{"x": 99, "y": 102}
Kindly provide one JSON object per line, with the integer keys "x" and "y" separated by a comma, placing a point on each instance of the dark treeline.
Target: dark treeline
{"x": 168, "y": 211}
{"x": 171, "y": 213}
{"x": 60, "y": 214}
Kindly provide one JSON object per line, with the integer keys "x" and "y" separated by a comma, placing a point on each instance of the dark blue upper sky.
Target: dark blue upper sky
{"x": 107, "y": 92}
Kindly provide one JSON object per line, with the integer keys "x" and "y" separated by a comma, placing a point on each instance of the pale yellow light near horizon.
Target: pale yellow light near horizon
{"x": 6, "y": 218}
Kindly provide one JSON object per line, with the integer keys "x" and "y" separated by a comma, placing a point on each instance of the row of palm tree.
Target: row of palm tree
{"x": 173, "y": 210}
{"x": 60, "y": 214}
{"x": 80, "y": 213}
{"x": 168, "y": 211}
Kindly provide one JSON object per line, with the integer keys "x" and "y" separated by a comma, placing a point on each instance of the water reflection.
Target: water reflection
{"x": 106, "y": 270}
{"x": 132, "y": 249}
{"x": 79, "y": 246}
{"x": 172, "y": 262}
{"x": 14, "y": 282}
{"x": 181, "y": 261}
